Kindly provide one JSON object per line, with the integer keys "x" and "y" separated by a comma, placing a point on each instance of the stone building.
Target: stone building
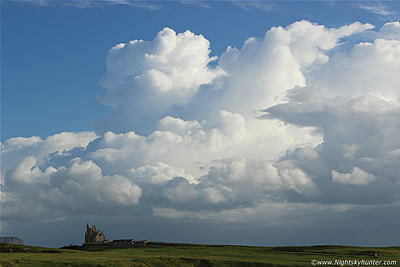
{"x": 95, "y": 238}
{"x": 92, "y": 235}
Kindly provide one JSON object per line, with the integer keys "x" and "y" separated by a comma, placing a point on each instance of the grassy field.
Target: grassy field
{"x": 169, "y": 254}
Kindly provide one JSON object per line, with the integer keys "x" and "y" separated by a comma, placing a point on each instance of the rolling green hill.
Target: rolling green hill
{"x": 171, "y": 254}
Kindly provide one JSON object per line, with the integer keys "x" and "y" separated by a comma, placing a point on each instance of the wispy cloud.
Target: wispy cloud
{"x": 380, "y": 10}
{"x": 261, "y": 5}
{"x": 198, "y": 3}
{"x": 94, "y": 3}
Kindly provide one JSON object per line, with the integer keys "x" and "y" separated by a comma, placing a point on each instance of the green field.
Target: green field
{"x": 169, "y": 254}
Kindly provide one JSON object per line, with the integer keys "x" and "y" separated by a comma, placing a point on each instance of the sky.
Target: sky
{"x": 223, "y": 122}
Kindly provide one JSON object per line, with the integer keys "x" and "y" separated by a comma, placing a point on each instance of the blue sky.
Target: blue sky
{"x": 193, "y": 121}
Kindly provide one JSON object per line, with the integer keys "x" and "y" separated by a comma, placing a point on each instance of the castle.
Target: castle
{"x": 94, "y": 236}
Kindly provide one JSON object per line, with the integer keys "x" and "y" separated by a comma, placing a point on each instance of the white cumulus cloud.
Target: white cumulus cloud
{"x": 290, "y": 117}
{"x": 356, "y": 176}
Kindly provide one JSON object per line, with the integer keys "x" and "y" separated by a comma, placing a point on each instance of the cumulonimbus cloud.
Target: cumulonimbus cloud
{"x": 284, "y": 119}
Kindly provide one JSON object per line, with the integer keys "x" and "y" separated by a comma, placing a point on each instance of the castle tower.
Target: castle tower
{"x": 88, "y": 233}
{"x": 92, "y": 235}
